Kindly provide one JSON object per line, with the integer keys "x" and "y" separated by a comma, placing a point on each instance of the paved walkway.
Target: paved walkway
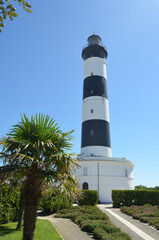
{"x": 134, "y": 228}
{"x": 67, "y": 229}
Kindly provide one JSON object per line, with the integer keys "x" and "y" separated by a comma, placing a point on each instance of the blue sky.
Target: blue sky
{"x": 42, "y": 71}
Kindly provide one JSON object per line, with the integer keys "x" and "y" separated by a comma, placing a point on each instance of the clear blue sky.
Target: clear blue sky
{"x": 41, "y": 70}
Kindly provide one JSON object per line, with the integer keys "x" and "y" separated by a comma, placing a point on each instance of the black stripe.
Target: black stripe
{"x": 94, "y": 50}
{"x": 101, "y": 133}
{"x": 94, "y": 86}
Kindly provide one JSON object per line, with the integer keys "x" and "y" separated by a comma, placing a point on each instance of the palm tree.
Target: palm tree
{"x": 37, "y": 149}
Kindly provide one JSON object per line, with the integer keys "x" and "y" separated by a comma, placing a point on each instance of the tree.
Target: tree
{"x": 8, "y": 10}
{"x": 37, "y": 150}
{"x": 141, "y": 187}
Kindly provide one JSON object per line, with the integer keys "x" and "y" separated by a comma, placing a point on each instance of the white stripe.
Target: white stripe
{"x": 95, "y": 66}
{"x": 96, "y": 150}
{"x": 131, "y": 226}
{"x": 95, "y": 107}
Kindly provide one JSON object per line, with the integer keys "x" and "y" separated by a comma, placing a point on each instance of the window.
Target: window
{"x": 91, "y": 110}
{"x": 91, "y": 132}
{"x": 126, "y": 172}
{"x": 85, "y": 171}
{"x": 85, "y": 186}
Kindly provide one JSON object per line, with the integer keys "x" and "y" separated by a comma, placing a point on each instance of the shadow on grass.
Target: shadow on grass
{"x": 4, "y": 230}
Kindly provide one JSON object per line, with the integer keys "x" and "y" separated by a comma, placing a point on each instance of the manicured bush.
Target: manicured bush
{"x": 53, "y": 200}
{"x": 100, "y": 234}
{"x": 120, "y": 236}
{"x": 89, "y": 226}
{"x": 9, "y": 204}
{"x": 88, "y": 197}
{"x": 134, "y": 197}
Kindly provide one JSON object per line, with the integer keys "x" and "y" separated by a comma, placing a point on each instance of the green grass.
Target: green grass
{"x": 44, "y": 231}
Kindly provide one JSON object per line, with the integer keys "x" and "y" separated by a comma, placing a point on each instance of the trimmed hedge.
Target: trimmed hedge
{"x": 9, "y": 204}
{"x": 100, "y": 234}
{"x": 54, "y": 200}
{"x": 134, "y": 197}
{"x": 89, "y": 198}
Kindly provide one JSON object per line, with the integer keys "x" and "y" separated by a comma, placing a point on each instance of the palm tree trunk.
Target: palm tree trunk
{"x": 32, "y": 197}
{"x": 21, "y": 208}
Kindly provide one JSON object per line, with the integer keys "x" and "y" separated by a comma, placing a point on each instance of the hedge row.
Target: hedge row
{"x": 135, "y": 197}
{"x": 53, "y": 200}
{"x": 9, "y": 204}
{"x": 88, "y": 197}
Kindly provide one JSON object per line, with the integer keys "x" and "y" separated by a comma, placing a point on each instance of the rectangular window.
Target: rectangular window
{"x": 85, "y": 171}
{"x": 126, "y": 172}
{"x": 91, "y": 110}
{"x": 92, "y": 132}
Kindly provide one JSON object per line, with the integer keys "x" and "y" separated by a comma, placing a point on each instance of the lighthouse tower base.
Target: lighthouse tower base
{"x": 105, "y": 174}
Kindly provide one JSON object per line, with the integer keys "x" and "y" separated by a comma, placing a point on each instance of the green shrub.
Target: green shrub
{"x": 134, "y": 197}
{"x": 145, "y": 219}
{"x": 89, "y": 226}
{"x": 9, "y": 204}
{"x": 89, "y": 197}
{"x": 110, "y": 229}
{"x": 100, "y": 234}
{"x": 120, "y": 236}
{"x": 54, "y": 200}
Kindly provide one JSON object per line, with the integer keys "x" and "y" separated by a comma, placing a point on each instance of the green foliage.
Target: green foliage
{"x": 93, "y": 220}
{"x": 9, "y": 204}
{"x": 147, "y": 214}
{"x": 8, "y": 10}
{"x": 142, "y": 187}
{"x": 100, "y": 234}
{"x": 88, "y": 197}
{"x": 134, "y": 197}
{"x": 36, "y": 150}
{"x": 54, "y": 200}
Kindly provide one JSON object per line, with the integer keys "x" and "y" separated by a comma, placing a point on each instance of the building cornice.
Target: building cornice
{"x": 105, "y": 159}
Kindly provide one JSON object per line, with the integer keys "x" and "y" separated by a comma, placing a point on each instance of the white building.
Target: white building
{"x": 99, "y": 170}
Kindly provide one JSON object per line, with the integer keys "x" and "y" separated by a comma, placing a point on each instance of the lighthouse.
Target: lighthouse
{"x": 95, "y": 116}
{"x": 98, "y": 169}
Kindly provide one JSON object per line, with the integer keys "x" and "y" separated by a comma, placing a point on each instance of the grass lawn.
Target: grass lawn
{"x": 44, "y": 231}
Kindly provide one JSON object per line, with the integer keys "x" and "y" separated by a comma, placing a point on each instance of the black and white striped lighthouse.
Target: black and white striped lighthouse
{"x": 95, "y": 116}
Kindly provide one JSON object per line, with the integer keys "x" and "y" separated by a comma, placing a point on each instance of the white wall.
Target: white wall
{"x": 111, "y": 176}
{"x": 96, "y": 150}
{"x": 100, "y": 108}
{"x": 96, "y": 65}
